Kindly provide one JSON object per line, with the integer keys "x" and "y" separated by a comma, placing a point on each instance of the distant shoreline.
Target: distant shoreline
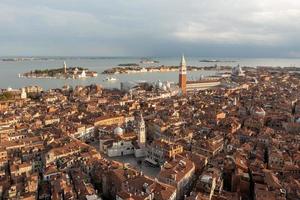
{"x": 216, "y": 61}
{"x": 144, "y": 61}
{"x": 138, "y": 69}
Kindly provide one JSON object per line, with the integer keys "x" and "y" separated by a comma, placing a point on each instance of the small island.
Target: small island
{"x": 61, "y": 73}
{"x": 213, "y": 60}
{"x": 128, "y": 65}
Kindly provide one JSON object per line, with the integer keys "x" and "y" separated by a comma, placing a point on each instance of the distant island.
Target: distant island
{"x": 129, "y": 65}
{"x": 162, "y": 68}
{"x": 61, "y": 73}
{"x": 207, "y": 60}
{"x": 138, "y": 69}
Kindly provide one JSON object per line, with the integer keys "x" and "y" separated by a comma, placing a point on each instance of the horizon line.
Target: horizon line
{"x": 153, "y": 56}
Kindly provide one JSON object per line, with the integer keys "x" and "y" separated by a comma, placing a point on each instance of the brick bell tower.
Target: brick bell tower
{"x": 182, "y": 75}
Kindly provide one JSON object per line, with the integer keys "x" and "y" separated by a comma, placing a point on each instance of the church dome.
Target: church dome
{"x": 237, "y": 71}
{"x": 159, "y": 84}
{"x": 118, "y": 131}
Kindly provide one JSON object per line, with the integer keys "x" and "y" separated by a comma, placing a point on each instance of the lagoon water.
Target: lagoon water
{"x": 9, "y": 70}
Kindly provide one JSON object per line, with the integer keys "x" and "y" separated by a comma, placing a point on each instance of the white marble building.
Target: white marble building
{"x": 120, "y": 143}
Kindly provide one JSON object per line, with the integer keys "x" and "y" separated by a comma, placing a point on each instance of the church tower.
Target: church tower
{"x": 182, "y": 75}
{"x": 65, "y": 67}
{"x": 141, "y": 129}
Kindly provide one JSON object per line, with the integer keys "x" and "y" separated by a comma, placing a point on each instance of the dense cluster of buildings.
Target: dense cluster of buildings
{"x": 239, "y": 139}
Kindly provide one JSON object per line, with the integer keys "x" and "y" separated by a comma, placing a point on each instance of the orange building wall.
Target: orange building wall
{"x": 182, "y": 83}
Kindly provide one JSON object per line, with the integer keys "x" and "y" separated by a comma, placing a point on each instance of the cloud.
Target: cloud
{"x": 251, "y": 23}
{"x": 200, "y": 33}
{"x": 135, "y": 27}
{"x": 39, "y": 19}
{"x": 294, "y": 54}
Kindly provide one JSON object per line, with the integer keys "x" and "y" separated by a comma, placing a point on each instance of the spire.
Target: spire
{"x": 65, "y": 67}
{"x": 142, "y": 122}
{"x": 183, "y": 62}
{"x": 182, "y": 75}
{"x": 141, "y": 116}
{"x": 235, "y": 101}
{"x": 182, "y": 67}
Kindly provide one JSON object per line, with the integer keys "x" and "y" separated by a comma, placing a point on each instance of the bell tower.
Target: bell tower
{"x": 141, "y": 131}
{"x": 65, "y": 67}
{"x": 182, "y": 75}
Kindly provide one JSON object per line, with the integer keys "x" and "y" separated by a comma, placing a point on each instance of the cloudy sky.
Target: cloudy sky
{"x": 206, "y": 28}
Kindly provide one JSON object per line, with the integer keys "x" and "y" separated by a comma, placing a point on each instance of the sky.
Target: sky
{"x": 204, "y": 28}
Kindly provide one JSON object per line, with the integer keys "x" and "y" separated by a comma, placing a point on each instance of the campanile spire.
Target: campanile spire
{"x": 182, "y": 75}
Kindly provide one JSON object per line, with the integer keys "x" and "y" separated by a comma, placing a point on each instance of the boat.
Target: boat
{"x": 110, "y": 78}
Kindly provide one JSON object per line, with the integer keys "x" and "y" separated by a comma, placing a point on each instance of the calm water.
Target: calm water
{"x": 9, "y": 70}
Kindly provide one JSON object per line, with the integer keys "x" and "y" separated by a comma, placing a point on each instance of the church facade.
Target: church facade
{"x": 122, "y": 143}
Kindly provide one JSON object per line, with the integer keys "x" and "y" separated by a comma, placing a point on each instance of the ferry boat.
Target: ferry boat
{"x": 110, "y": 78}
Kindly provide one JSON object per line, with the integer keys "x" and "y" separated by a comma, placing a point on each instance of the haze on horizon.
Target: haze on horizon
{"x": 206, "y": 28}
